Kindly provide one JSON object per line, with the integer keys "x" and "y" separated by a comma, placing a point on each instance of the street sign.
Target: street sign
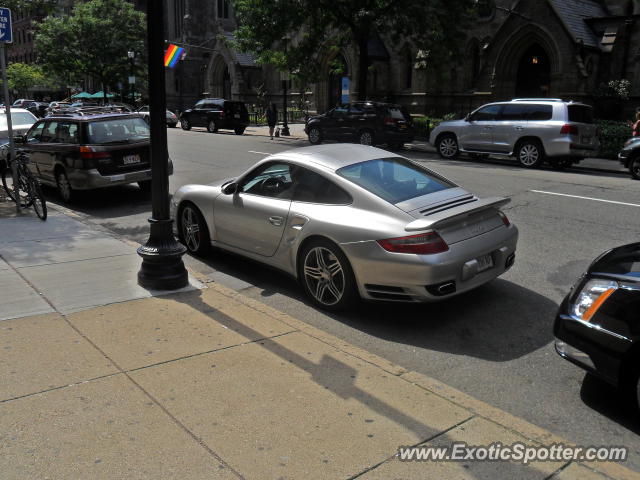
{"x": 6, "y": 31}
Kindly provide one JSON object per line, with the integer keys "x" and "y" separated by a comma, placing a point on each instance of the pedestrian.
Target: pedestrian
{"x": 272, "y": 118}
{"x": 635, "y": 129}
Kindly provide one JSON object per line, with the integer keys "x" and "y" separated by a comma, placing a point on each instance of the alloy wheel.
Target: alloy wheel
{"x": 529, "y": 155}
{"x": 314, "y": 135}
{"x": 190, "y": 229}
{"x": 448, "y": 147}
{"x": 366, "y": 138}
{"x": 64, "y": 187}
{"x": 324, "y": 276}
{"x": 635, "y": 168}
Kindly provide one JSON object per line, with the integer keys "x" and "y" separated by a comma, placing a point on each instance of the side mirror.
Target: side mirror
{"x": 467, "y": 118}
{"x": 18, "y": 139}
{"x": 230, "y": 188}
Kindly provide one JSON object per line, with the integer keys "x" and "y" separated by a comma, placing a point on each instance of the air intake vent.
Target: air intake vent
{"x": 449, "y": 204}
{"x": 385, "y": 292}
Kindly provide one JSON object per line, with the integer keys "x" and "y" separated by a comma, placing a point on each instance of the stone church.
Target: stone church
{"x": 568, "y": 49}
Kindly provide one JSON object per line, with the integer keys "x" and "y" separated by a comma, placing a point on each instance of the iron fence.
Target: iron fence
{"x": 293, "y": 116}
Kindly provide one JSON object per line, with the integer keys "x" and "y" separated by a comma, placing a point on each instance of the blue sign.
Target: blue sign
{"x": 6, "y": 32}
{"x": 344, "y": 93}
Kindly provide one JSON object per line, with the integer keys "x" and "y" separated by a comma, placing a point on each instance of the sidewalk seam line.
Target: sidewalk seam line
{"x": 75, "y": 261}
{"x": 31, "y": 285}
{"x": 154, "y": 400}
{"x": 60, "y": 387}
{"x": 215, "y": 350}
{"x": 422, "y": 442}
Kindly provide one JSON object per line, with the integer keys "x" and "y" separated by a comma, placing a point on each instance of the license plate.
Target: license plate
{"x": 485, "y": 262}
{"x": 586, "y": 139}
{"x": 402, "y": 126}
{"x": 237, "y": 115}
{"x": 129, "y": 159}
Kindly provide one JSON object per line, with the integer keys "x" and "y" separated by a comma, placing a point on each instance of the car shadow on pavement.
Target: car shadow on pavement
{"x": 606, "y": 400}
{"x": 510, "y": 165}
{"x": 498, "y": 322}
{"x": 116, "y": 201}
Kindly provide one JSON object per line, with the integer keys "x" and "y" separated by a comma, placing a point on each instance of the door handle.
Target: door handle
{"x": 488, "y": 128}
{"x": 275, "y": 220}
{"x": 519, "y": 128}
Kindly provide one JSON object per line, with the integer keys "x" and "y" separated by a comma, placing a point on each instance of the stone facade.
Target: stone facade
{"x": 541, "y": 48}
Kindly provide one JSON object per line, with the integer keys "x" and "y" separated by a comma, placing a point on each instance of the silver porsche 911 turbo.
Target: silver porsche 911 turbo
{"x": 352, "y": 221}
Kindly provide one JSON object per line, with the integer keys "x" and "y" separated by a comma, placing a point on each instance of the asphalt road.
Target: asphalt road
{"x": 495, "y": 343}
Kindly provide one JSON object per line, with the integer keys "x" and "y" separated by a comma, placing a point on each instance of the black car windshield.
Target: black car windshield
{"x": 17, "y": 118}
{"x": 118, "y": 130}
{"x": 394, "y": 179}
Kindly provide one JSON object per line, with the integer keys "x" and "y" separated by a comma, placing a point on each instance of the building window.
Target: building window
{"x": 178, "y": 17}
{"x": 223, "y": 8}
{"x": 408, "y": 70}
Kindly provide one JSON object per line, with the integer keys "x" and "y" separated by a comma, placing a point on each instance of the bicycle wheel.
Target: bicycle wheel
{"x": 37, "y": 198}
{"x": 23, "y": 189}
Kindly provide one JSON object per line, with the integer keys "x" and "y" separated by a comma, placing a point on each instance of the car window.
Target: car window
{"x": 580, "y": 113}
{"x": 35, "y": 134}
{"x": 539, "y": 112}
{"x": 312, "y": 187}
{"x": 340, "y": 112}
{"x": 17, "y": 118}
{"x": 200, "y": 104}
{"x": 356, "y": 109}
{"x": 396, "y": 113}
{"x": 118, "y": 130}
{"x": 488, "y": 113}
{"x": 394, "y": 179}
{"x": 66, "y": 132}
{"x": 49, "y": 132}
{"x": 515, "y": 112}
{"x": 271, "y": 180}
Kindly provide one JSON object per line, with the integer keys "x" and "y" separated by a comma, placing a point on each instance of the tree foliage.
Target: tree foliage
{"x": 22, "y": 76}
{"x": 433, "y": 26}
{"x": 39, "y": 7}
{"x": 93, "y": 40}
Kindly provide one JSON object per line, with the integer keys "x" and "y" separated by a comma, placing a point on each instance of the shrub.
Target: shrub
{"x": 612, "y": 135}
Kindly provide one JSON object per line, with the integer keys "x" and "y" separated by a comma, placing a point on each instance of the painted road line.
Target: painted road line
{"x": 586, "y": 198}
{"x": 259, "y": 153}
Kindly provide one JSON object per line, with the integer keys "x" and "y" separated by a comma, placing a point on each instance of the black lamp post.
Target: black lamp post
{"x": 132, "y": 79}
{"x": 285, "y": 80}
{"x": 162, "y": 267}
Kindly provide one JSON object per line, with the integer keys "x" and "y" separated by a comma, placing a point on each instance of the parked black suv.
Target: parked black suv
{"x": 88, "y": 150}
{"x": 368, "y": 123}
{"x": 216, "y": 114}
{"x": 630, "y": 156}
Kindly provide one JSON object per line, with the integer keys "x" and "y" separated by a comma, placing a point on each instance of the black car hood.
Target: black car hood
{"x": 624, "y": 261}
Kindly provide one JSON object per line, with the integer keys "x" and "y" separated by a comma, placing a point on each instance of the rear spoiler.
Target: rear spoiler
{"x": 440, "y": 219}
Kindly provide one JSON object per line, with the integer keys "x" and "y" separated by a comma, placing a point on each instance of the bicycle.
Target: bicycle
{"x": 29, "y": 189}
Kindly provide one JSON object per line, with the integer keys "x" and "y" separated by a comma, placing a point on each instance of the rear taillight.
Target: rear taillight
{"x": 92, "y": 158}
{"x": 389, "y": 121}
{"x": 569, "y": 129}
{"x": 504, "y": 218}
{"x": 421, "y": 244}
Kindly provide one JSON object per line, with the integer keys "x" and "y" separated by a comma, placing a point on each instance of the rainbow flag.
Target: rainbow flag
{"x": 172, "y": 55}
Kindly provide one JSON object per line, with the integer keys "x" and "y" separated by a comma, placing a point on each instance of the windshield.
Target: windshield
{"x": 118, "y": 130}
{"x": 394, "y": 179}
{"x": 17, "y": 118}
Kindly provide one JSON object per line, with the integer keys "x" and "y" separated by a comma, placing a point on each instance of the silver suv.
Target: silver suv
{"x": 532, "y": 130}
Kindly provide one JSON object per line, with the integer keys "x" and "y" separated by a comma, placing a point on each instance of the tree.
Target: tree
{"x": 435, "y": 26}
{"x": 93, "y": 40}
{"x": 21, "y": 77}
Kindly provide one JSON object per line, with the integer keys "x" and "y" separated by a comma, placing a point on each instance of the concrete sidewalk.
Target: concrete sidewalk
{"x": 422, "y": 145}
{"x": 102, "y": 380}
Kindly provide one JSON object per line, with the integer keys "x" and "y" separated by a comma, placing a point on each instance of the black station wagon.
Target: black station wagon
{"x": 84, "y": 151}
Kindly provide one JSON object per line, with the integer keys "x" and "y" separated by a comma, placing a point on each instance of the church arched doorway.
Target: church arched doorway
{"x": 338, "y": 82}
{"x": 533, "y": 78}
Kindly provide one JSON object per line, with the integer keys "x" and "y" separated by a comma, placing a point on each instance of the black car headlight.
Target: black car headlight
{"x": 592, "y": 296}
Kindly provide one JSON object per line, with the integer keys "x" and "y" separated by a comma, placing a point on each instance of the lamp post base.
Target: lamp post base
{"x": 285, "y": 130}
{"x": 162, "y": 266}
